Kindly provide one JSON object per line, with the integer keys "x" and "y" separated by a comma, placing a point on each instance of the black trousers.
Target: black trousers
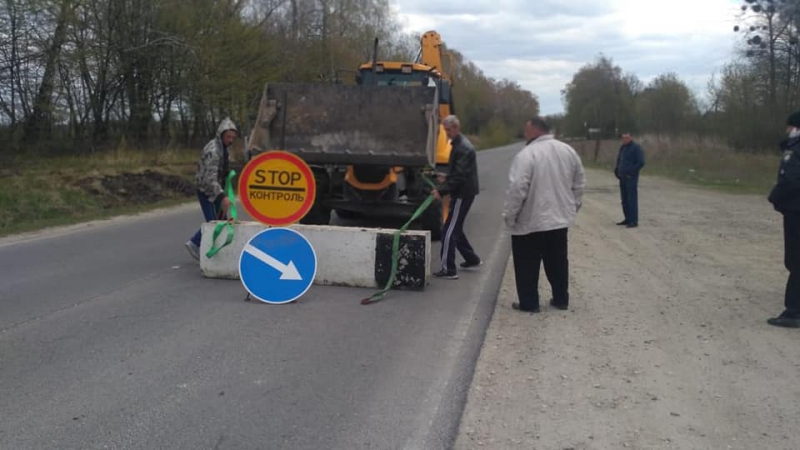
{"x": 453, "y": 237}
{"x": 791, "y": 239}
{"x": 529, "y": 251}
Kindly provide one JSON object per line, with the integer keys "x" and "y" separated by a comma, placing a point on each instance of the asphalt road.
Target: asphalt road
{"x": 110, "y": 338}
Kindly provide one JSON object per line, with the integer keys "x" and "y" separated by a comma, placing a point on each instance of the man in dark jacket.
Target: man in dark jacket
{"x": 629, "y": 162}
{"x": 785, "y": 197}
{"x": 461, "y": 183}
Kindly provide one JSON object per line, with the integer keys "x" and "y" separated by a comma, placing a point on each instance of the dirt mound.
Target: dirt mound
{"x": 137, "y": 188}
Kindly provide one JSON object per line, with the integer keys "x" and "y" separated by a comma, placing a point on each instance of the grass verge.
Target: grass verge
{"x": 37, "y": 193}
{"x": 704, "y": 164}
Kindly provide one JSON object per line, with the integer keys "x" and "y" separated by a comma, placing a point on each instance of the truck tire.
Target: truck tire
{"x": 345, "y": 214}
{"x": 318, "y": 215}
{"x": 432, "y": 220}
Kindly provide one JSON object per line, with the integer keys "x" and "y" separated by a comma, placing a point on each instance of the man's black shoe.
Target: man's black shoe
{"x": 446, "y": 275}
{"x": 784, "y": 321}
{"x": 515, "y": 306}
{"x": 622, "y": 223}
{"x": 558, "y": 305}
{"x": 467, "y": 265}
{"x": 631, "y": 225}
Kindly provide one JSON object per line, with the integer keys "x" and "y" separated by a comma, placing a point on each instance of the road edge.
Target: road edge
{"x": 63, "y": 230}
{"x": 441, "y": 431}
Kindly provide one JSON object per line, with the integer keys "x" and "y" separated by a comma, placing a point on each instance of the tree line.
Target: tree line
{"x": 80, "y": 76}
{"x": 746, "y": 104}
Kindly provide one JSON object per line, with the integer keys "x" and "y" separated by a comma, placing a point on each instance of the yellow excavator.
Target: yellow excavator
{"x": 370, "y": 145}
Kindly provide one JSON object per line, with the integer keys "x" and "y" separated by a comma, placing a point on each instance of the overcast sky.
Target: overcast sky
{"x": 541, "y": 43}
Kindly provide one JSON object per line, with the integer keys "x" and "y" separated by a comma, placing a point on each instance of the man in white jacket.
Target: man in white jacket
{"x": 544, "y": 194}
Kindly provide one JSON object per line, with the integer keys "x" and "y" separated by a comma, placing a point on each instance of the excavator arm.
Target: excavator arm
{"x": 431, "y": 53}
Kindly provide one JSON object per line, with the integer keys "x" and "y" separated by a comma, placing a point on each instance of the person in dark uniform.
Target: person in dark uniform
{"x": 461, "y": 183}
{"x": 629, "y": 162}
{"x": 785, "y": 197}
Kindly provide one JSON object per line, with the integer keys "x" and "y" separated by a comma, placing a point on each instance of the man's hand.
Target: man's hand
{"x": 226, "y": 205}
{"x": 436, "y": 194}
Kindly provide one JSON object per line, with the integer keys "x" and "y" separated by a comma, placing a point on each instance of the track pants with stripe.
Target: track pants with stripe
{"x": 453, "y": 236}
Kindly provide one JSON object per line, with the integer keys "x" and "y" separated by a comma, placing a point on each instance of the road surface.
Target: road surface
{"x": 110, "y": 338}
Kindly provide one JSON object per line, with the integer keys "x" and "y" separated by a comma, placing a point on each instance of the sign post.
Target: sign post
{"x": 277, "y": 188}
{"x": 277, "y": 265}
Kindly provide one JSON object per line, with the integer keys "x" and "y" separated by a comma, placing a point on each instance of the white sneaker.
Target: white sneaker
{"x": 193, "y": 249}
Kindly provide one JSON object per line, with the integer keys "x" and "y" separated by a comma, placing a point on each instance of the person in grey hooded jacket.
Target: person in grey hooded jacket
{"x": 211, "y": 172}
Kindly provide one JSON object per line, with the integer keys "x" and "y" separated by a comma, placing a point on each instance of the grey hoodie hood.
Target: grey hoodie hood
{"x": 225, "y": 125}
{"x": 213, "y": 165}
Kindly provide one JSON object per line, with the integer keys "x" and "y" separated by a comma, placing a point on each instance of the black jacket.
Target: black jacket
{"x": 462, "y": 178}
{"x": 629, "y": 161}
{"x": 785, "y": 196}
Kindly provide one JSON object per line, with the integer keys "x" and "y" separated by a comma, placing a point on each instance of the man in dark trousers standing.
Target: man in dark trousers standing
{"x": 785, "y": 197}
{"x": 461, "y": 183}
{"x": 629, "y": 162}
{"x": 545, "y": 192}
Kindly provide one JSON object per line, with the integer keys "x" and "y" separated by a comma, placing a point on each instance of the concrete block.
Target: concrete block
{"x": 346, "y": 256}
{"x": 412, "y": 267}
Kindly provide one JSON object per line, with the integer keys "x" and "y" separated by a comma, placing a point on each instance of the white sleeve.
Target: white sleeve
{"x": 578, "y": 181}
{"x": 519, "y": 181}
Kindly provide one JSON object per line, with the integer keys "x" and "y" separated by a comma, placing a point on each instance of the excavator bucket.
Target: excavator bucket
{"x": 337, "y": 124}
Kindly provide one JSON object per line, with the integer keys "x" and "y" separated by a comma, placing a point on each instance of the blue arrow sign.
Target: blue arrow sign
{"x": 277, "y": 265}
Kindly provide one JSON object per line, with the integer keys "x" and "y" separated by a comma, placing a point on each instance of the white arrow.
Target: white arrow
{"x": 288, "y": 271}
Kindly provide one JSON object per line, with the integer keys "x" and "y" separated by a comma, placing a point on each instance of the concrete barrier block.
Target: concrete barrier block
{"x": 346, "y": 256}
{"x": 413, "y": 269}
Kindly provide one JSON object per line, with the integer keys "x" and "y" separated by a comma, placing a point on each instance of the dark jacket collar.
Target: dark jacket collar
{"x": 790, "y": 144}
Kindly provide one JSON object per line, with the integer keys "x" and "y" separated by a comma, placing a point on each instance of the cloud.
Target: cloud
{"x": 541, "y": 44}
{"x": 540, "y": 8}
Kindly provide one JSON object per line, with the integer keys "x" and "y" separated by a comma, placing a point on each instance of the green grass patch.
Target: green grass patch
{"x": 37, "y": 193}
{"x": 711, "y": 167}
{"x": 720, "y": 180}
{"x": 119, "y": 159}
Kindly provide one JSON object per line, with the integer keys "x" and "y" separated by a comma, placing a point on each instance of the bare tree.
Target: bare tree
{"x": 38, "y": 124}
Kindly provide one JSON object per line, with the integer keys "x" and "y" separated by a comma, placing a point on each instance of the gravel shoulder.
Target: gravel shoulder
{"x": 666, "y": 344}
